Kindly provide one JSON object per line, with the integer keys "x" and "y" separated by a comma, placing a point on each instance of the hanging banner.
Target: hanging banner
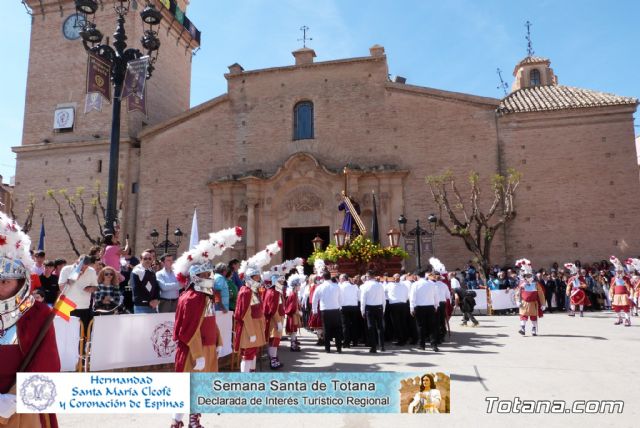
{"x": 165, "y": 3}
{"x": 135, "y": 77}
{"x": 98, "y": 76}
{"x": 93, "y": 101}
{"x": 138, "y": 103}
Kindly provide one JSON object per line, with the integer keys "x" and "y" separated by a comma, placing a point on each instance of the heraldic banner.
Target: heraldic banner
{"x": 98, "y": 76}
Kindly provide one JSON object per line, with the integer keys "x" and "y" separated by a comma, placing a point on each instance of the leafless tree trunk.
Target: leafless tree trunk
{"x": 52, "y": 195}
{"x": 28, "y": 221}
{"x": 468, "y": 221}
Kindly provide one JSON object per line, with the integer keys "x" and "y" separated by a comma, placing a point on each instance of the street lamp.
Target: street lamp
{"x": 419, "y": 232}
{"x": 394, "y": 237}
{"x": 433, "y": 224}
{"x": 341, "y": 237}
{"x": 178, "y": 234}
{"x": 317, "y": 243}
{"x": 118, "y": 56}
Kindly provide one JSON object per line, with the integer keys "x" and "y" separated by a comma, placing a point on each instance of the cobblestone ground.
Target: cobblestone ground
{"x": 572, "y": 359}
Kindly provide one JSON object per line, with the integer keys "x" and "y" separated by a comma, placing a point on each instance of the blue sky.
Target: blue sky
{"x": 453, "y": 45}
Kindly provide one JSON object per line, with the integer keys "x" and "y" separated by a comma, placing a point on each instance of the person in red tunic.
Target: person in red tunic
{"x": 249, "y": 321}
{"x": 576, "y": 284}
{"x": 273, "y": 308}
{"x": 195, "y": 330}
{"x": 530, "y": 297}
{"x": 292, "y": 310}
{"x": 21, "y": 321}
{"x": 620, "y": 292}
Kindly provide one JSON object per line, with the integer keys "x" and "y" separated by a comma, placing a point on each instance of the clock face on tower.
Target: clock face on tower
{"x": 72, "y": 26}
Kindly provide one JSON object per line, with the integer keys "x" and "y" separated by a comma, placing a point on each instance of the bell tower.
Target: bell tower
{"x": 58, "y": 65}
{"x": 533, "y": 71}
{"x": 53, "y": 158}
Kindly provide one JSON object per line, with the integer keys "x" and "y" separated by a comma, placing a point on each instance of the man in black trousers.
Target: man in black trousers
{"x": 398, "y": 308}
{"x": 328, "y": 296}
{"x": 423, "y": 301}
{"x": 372, "y": 305}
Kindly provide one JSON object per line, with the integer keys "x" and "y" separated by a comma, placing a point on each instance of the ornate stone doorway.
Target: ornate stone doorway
{"x": 296, "y": 242}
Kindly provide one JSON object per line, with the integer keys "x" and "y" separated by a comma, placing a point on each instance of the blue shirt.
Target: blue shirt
{"x": 220, "y": 284}
{"x": 169, "y": 285}
{"x": 236, "y": 280}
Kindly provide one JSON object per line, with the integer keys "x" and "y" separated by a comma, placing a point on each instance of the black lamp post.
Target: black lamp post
{"x": 154, "y": 235}
{"x": 119, "y": 57}
{"x": 433, "y": 224}
{"x": 419, "y": 232}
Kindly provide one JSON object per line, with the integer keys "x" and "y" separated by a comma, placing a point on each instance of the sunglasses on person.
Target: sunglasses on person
{"x": 108, "y": 274}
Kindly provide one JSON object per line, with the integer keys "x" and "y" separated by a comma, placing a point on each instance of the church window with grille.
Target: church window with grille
{"x": 534, "y": 78}
{"x": 303, "y": 120}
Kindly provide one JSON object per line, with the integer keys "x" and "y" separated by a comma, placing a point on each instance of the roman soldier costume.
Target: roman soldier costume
{"x": 273, "y": 308}
{"x": 575, "y": 290}
{"x": 292, "y": 310}
{"x": 633, "y": 266}
{"x": 21, "y": 321}
{"x": 250, "y": 325}
{"x": 620, "y": 292}
{"x": 195, "y": 330}
{"x": 530, "y": 298}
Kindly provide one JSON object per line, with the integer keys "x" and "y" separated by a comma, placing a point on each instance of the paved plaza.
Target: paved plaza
{"x": 572, "y": 359}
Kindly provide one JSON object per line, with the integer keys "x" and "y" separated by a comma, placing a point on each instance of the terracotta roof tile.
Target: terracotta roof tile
{"x": 557, "y": 97}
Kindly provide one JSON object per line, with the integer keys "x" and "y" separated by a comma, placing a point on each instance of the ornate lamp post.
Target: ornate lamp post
{"x": 166, "y": 244}
{"x": 418, "y": 232}
{"x": 317, "y": 243}
{"x": 118, "y": 56}
{"x": 433, "y": 224}
{"x": 394, "y": 237}
{"x": 340, "y": 237}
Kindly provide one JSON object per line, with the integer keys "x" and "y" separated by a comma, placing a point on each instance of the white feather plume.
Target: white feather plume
{"x": 261, "y": 258}
{"x": 573, "y": 269}
{"x": 16, "y": 243}
{"x": 437, "y": 265}
{"x": 208, "y": 249}
{"x": 633, "y": 264}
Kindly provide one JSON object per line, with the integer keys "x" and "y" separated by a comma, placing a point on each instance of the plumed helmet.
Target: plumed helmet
{"x": 572, "y": 268}
{"x": 15, "y": 264}
{"x": 251, "y": 271}
{"x": 198, "y": 268}
{"x": 615, "y": 262}
{"x": 525, "y": 266}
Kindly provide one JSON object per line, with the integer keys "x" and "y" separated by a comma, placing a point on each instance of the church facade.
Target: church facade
{"x": 269, "y": 155}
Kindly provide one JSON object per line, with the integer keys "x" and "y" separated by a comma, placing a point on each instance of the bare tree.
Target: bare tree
{"x": 469, "y": 222}
{"x": 28, "y": 221}
{"x": 86, "y": 208}
{"x": 52, "y": 195}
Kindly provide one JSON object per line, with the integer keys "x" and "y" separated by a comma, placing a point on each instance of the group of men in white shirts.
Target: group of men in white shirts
{"x": 421, "y": 299}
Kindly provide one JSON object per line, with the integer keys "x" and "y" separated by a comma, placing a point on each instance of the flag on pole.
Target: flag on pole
{"x": 42, "y": 235}
{"x": 375, "y": 232}
{"x": 193, "y": 241}
{"x": 63, "y": 307}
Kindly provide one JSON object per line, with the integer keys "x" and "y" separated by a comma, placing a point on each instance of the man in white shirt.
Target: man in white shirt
{"x": 349, "y": 294}
{"x": 444, "y": 296}
{"x": 398, "y": 295}
{"x": 327, "y": 295}
{"x": 372, "y": 305}
{"x": 423, "y": 301}
{"x": 80, "y": 280}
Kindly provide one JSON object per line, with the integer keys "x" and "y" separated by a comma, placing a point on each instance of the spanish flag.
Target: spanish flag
{"x": 63, "y": 307}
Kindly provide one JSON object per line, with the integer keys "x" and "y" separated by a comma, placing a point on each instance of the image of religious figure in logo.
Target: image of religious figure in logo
{"x": 38, "y": 393}
{"x": 162, "y": 340}
{"x": 429, "y": 393}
